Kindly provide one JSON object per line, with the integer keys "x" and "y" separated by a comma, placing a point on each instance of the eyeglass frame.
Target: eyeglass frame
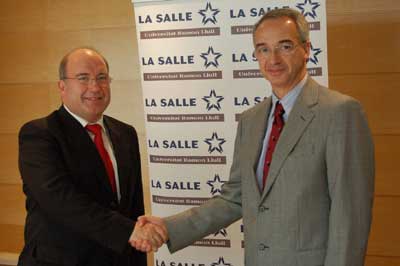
{"x": 278, "y": 49}
{"x": 86, "y": 80}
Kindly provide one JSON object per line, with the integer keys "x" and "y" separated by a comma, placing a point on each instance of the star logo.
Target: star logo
{"x": 213, "y": 101}
{"x": 215, "y": 143}
{"x": 221, "y": 262}
{"x": 313, "y": 55}
{"x": 216, "y": 185}
{"x": 209, "y": 14}
{"x": 222, "y": 232}
{"x": 308, "y": 8}
{"x": 211, "y": 57}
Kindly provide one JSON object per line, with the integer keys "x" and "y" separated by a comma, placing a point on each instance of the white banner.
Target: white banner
{"x": 198, "y": 73}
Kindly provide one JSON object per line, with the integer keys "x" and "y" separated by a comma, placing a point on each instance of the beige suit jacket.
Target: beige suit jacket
{"x": 316, "y": 207}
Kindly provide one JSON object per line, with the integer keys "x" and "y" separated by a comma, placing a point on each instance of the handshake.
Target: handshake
{"x": 150, "y": 233}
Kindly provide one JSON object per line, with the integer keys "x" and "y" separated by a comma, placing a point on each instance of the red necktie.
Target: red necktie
{"x": 277, "y": 127}
{"x": 98, "y": 141}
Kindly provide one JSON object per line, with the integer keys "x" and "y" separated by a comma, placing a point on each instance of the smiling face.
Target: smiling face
{"x": 282, "y": 68}
{"x": 88, "y": 101}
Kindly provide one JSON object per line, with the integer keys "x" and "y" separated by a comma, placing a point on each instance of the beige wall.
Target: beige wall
{"x": 364, "y": 53}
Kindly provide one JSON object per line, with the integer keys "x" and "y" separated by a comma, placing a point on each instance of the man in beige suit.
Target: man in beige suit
{"x": 309, "y": 202}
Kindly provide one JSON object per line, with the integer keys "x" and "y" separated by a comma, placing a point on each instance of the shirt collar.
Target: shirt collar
{"x": 289, "y": 99}
{"x": 82, "y": 121}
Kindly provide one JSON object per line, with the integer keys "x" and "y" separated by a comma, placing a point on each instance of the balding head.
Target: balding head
{"x": 62, "y": 69}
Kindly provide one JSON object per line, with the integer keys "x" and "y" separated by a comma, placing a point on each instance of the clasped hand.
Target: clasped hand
{"x": 150, "y": 233}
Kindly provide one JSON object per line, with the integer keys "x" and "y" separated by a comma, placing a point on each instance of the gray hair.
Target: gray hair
{"x": 64, "y": 61}
{"x": 296, "y": 16}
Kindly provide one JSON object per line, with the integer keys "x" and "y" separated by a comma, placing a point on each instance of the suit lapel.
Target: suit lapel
{"x": 253, "y": 132}
{"x": 258, "y": 131}
{"x": 257, "y": 127}
{"x": 299, "y": 118}
{"x": 83, "y": 148}
{"x": 117, "y": 144}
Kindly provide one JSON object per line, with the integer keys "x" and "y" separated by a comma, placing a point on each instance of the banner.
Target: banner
{"x": 198, "y": 74}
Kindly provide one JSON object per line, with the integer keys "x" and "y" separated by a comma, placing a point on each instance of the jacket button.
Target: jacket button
{"x": 262, "y": 247}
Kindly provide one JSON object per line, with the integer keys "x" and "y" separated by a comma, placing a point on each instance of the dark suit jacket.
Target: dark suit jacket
{"x": 73, "y": 218}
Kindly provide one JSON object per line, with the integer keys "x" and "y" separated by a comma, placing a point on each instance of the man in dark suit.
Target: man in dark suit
{"x": 302, "y": 175}
{"x": 82, "y": 199}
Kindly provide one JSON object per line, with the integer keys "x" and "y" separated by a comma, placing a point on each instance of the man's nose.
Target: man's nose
{"x": 93, "y": 84}
{"x": 274, "y": 56}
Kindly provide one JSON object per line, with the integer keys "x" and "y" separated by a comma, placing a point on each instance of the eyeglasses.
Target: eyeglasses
{"x": 283, "y": 49}
{"x": 102, "y": 80}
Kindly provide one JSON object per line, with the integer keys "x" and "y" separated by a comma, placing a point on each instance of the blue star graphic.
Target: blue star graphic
{"x": 213, "y": 101}
{"x": 216, "y": 185}
{"x": 308, "y": 8}
{"x": 222, "y": 232}
{"x": 209, "y": 14}
{"x": 313, "y": 56}
{"x": 210, "y": 57}
{"x": 215, "y": 143}
{"x": 220, "y": 262}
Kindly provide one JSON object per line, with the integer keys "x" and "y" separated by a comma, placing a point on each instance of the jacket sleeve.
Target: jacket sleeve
{"x": 189, "y": 226}
{"x": 350, "y": 171}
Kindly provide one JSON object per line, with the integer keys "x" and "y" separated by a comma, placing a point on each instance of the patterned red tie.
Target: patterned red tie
{"x": 277, "y": 127}
{"x": 98, "y": 141}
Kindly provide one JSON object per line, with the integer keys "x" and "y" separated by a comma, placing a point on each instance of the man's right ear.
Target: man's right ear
{"x": 61, "y": 85}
